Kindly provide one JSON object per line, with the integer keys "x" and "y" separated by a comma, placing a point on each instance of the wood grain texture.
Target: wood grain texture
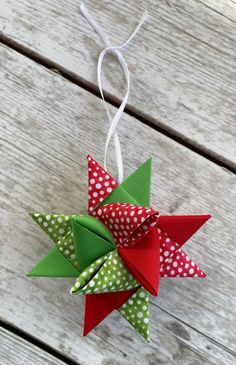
{"x": 16, "y": 351}
{"x": 48, "y": 125}
{"x": 182, "y": 63}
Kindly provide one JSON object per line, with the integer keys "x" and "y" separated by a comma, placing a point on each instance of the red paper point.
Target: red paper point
{"x": 181, "y": 228}
{"x": 100, "y": 184}
{"x": 180, "y": 264}
{"x": 99, "y": 306}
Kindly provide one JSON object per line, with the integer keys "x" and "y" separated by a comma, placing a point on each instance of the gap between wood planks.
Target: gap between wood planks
{"x": 111, "y": 99}
{"x": 35, "y": 341}
{"x": 216, "y": 11}
{"x": 67, "y": 360}
{"x": 90, "y": 87}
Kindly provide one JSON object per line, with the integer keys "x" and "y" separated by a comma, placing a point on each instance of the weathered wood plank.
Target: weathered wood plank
{"x": 48, "y": 125}
{"x": 222, "y": 7}
{"x": 16, "y": 351}
{"x": 182, "y": 65}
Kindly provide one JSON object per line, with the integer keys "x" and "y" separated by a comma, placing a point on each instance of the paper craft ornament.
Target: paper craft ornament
{"x": 120, "y": 249}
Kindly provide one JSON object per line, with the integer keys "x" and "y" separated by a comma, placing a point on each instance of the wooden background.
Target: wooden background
{"x": 181, "y": 111}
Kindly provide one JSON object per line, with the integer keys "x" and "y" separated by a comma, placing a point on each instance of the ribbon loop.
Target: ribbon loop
{"x": 117, "y": 51}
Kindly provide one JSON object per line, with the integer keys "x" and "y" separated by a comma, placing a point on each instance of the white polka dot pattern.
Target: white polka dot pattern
{"x": 112, "y": 276}
{"x": 55, "y": 225}
{"x": 58, "y": 228}
{"x": 167, "y": 246}
{"x": 84, "y": 278}
{"x": 180, "y": 265}
{"x": 128, "y": 223}
{"x": 100, "y": 184}
{"x": 173, "y": 260}
{"x": 66, "y": 247}
{"x": 136, "y": 312}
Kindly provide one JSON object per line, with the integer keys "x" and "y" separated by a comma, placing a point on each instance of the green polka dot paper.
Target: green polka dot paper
{"x": 66, "y": 247}
{"x": 84, "y": 278}
{"x": 112, "y": 276}
{"x": 58, "y": 228}
{"x": 54, "y": 225}
{"x": 136, "y": 312}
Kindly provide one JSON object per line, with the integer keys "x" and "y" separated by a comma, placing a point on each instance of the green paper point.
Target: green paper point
{"x": 55, "y": 265}
{"x": 54, "y": 225}
{"x": 138, "y": 184}
{"x": 136, "y": 189}
{"x": 136, "y": 312}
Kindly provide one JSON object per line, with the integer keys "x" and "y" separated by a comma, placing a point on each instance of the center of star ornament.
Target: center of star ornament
{"x": 125, "y": 229}
{"x": 120, "y": 249}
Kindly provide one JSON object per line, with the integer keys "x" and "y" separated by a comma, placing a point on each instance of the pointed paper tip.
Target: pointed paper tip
{"x": 181, "y": 228}
{"x": 138, "y": 184}
{"x": 147, "y": 162}
{"x": 33, "y": 215}
{"x": 89, "y": 157}
{"x": 31, "y": 273}
{"x": 207, "y": 216}
{"x": 203, "y": 274}
{"x": 85, "y": 332}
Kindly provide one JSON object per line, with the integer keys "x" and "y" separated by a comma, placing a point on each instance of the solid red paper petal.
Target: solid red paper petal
{"x": 181, "y": 228}
{"x": 100, "y": 184}
{"x": 143, "y": 261}
{"x": 99, "y": 306}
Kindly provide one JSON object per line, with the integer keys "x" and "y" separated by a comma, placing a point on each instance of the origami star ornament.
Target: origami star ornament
{"x": 119, "y": 251}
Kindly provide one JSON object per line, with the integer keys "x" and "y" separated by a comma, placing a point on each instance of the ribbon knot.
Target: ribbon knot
{"x": 117, "y": 51}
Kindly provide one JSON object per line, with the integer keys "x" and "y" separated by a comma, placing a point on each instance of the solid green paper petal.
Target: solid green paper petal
{"x": 113, "y": 276}
{"x": 139, "y": 184}
{"x": 88, "y": 274}
{"x": 54, "y": 264}
{"x": 136, "y": 312}
{"x": 119, "y": 195}
{"x": 89, "y": 246}
{"x": 94, "y": 225}
{"x": 135, "y": 189}
{"x": 54, "y": 225}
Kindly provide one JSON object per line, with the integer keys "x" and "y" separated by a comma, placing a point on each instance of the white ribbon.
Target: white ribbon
{"x": 117, "y": 51}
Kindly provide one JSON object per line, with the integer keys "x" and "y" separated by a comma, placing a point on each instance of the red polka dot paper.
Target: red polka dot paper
{"x": 100, "y": 184}
{"x": 174, "y": 262}
{"x": 128, "y": 223}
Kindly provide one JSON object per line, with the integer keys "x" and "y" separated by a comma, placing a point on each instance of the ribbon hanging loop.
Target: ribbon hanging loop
{"x": 117, "y": 51}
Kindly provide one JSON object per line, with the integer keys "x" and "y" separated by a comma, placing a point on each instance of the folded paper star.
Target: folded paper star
{"x": 119, "y": 251}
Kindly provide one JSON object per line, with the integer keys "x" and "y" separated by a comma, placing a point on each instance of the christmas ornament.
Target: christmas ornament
{"x": 120, "y": 249}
